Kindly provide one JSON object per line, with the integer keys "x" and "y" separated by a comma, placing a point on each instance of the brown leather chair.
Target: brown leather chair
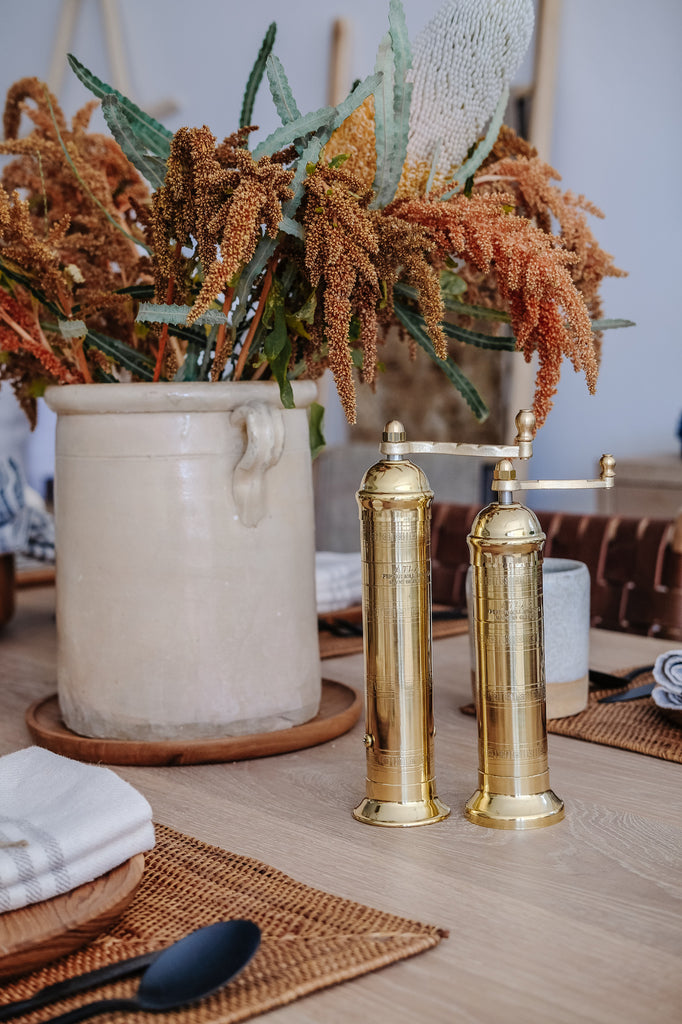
{"x": 635, "y": 564}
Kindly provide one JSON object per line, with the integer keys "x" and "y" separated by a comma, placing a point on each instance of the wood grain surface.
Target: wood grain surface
{"x": 35, "y": 935}
{"x": 580, "y": 922}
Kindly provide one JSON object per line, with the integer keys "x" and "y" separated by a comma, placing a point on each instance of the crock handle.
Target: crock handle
{"x": 264, "y": 444}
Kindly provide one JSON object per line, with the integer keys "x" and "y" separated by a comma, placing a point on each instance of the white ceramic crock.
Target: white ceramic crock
{"x": 185, "y": 560}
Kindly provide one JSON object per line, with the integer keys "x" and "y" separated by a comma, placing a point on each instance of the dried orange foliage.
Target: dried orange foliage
{"x": 32, "y": 355}
{"x": 356, "y": 255}
{"x": 61, "y": 240}
{"x": 537, "y": 198}
{"x": 526, "y": 245}
{"x": 548, "y": 314}
{"x": 73, "y": 232}
{"x": 220, "y": 196}
{"x": 514, "y": 167}
{"x": 63, "y": 233}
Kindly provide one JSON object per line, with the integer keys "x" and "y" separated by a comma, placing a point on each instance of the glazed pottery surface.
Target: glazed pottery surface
{"x": 185, "y": 560}
{"x": 566, "y": 602}
{"x": 566, "y": 613}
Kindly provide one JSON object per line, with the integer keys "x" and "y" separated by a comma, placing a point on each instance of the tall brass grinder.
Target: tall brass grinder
{"x": 505, "y": 544}
{"x": 395, "y": 512}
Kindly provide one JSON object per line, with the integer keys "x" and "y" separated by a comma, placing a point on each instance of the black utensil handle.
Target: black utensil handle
{"x": 81, "y": 983}
{"x": 635, "y": 694}
{"x": 92, "y": 1009}
{"x": 608, "y": 681}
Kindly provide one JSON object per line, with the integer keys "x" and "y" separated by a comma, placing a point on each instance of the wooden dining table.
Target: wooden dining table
{"x": 578, "y": 922}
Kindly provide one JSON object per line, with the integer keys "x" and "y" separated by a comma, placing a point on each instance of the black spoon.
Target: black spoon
{"x": 187, "y": 971}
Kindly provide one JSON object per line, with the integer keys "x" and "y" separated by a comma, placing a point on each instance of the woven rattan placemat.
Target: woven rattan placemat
{"x": 311, "y": 939}
{"x": 636, "y": 725}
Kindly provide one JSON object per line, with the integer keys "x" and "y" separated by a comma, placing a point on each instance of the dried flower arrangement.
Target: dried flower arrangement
{"x": 153, "y": 256}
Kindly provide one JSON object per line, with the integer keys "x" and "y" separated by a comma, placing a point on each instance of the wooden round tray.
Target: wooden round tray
{"x": 339, "y": 711}
{"x": 32, "y": 936}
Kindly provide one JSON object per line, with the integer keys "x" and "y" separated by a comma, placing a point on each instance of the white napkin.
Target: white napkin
{"x": 63, "y": 823}
{"x": 668, "y": 675}
{"x": 338, "y": 580}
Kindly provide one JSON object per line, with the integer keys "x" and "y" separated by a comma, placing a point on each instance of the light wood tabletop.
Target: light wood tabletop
{"x": 573, "y": 923}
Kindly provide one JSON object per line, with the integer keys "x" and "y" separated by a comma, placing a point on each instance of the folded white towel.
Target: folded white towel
{"x": 668, "y": 675}
{"x": 338, "y": 580}
{"x": 63, "y": 823}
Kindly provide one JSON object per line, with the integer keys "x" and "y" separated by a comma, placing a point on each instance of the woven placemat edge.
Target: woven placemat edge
{"x": 556, "y": 727}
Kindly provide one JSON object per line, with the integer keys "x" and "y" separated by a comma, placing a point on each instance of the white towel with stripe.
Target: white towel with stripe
{"x": 62, "y": 824}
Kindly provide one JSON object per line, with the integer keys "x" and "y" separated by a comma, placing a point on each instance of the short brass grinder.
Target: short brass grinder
{"x": 505, "y": 544}
{"x": 506, "y": 552}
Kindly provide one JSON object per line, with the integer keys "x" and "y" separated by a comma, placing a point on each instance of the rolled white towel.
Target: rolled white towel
{"x": 667, "y": 673}
{"x": 338, "y": 580}
{"x": 62, "y": 824}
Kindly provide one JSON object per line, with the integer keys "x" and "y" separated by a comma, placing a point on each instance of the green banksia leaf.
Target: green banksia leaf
{"x": 155, "y": 137}
{"x": 102, "y": 377}
{"x": 153, "y": 168}
{"x": 291, "y": 227}
{"x": 277, "y": 351}
{"x": 383, "y": 123}
{"x": 322, "y": 122}
{"x": 14, "y": 275}
{"x": 479, "y": 312}
{"x": 160, "y": 313}
{"x": 72, "y": 329}
{"x": 137, "y": 291}
{"x": 451, "y": 284}
{"x": 256, "y": 76}
{"x": 453, "y": 304}
{"x": 506, "y": 343}
{"x": 37, "y": 388}
{"x": 413, "y": 324}
{"x": 288, "y": 133}
{"x": 315, "y": 428}
{"x": 392, "y": 106}
{"x": 607, "y": 325}
{"x": 280, "y": 89}
{"x": 126, "y": 356}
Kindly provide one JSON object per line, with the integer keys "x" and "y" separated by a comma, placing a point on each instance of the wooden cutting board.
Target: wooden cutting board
{"x": 32, "y": 936}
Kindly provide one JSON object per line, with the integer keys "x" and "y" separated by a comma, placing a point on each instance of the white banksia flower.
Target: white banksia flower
{"x": 463, "y": 60}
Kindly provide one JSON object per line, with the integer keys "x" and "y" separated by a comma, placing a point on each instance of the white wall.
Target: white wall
{"x": 615, "y": 139}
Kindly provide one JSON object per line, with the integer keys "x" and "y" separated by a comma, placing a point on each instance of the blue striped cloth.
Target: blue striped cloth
{"x": 25, "y": 525}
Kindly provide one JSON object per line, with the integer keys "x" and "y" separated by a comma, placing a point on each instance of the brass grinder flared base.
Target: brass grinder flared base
{"x": 497, "y": 810}
{"x": 400, "y": 815}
